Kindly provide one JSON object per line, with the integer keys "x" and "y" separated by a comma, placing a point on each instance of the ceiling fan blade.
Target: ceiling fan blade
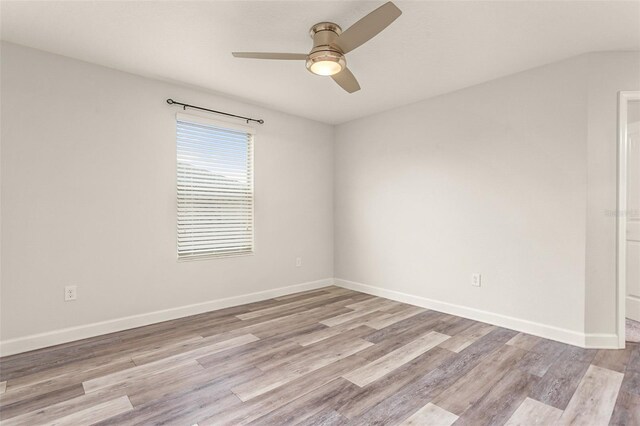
{"x": 270, "y": 55}
{"x": 346, "y": 80}
{"x": 368, "y": 27}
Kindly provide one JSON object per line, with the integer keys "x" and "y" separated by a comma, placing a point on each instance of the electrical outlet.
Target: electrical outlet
{"x": 298, "y": 262}
{"x": 70, "y": 293}
{"x": 476, "y": 280}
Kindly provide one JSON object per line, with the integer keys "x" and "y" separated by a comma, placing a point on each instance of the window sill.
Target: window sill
{"x": 213, "y": 256}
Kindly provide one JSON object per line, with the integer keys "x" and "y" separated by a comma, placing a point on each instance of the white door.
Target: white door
{"x": 633, "y": 223}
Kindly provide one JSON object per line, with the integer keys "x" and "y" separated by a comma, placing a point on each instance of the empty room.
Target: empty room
{"x": 320, "y": 213}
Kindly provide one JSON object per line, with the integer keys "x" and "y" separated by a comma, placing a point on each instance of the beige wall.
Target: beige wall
{"x": 609, "y": 72}
{"x": 89, "y": 197}
{"x": 512, "y": 179}
{"x": 491, "y": 179}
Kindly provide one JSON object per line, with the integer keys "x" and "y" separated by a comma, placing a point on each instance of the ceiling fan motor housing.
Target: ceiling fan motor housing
{"x": 324, "y": 50}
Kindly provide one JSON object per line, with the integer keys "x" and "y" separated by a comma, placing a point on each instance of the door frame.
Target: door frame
{"x": 624, "y": 97}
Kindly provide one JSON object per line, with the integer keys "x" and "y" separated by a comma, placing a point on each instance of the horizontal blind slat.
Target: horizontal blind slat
{"x": 228, "y": 172}
{"x": 188, "y": 171}
{"x": 204, "y": 144}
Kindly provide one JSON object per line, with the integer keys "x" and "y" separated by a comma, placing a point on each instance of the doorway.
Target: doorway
{"x": 629, "y": 217}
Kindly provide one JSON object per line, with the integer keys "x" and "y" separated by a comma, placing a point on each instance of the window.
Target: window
{"x": 215, "y": 188}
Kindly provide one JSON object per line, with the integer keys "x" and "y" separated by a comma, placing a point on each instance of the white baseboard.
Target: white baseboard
{"x": 601, "y": 341}
{"x": 56, "y": 337}
{"x": 42, "y": 340}
{"x": 537, "y": 329}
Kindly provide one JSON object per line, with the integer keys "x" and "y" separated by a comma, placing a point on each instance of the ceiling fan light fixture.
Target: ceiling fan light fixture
{"x": 330, "y": 44}
{"x": 325, "y": 68}
{"x": 326, "y": 62}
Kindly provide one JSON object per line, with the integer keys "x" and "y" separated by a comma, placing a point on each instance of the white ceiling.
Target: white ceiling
{"x": 433, "y": 48}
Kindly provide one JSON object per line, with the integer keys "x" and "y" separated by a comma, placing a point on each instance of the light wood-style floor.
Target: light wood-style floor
{"x": 633, "y": 331}
{"x": 324, "y": 357}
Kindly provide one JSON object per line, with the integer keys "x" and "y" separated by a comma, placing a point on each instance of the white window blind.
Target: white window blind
{"x": 215, "y": 189}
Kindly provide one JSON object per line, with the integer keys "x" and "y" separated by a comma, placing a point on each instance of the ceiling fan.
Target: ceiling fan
{"x": 330, "y": 44}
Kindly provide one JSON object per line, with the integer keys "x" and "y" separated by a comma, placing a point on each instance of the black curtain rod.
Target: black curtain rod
{"x": 185, "y": 106}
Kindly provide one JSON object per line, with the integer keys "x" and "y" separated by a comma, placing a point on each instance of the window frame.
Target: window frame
{"x": 222, "y": 124}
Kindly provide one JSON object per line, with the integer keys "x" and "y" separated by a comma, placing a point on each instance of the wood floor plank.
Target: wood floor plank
{"x": 275, "y": 326}
{"x": 145, "y": 340}
{"x": 337, "y": 343}
{"x": 95, "y": 414}
{"x": 289, "y": 332}
{"x": 467, "y": 337}
{"x": 401, "y": 405}
{"x": 369, "y": 303}
{"x": 28, "y": 403}
{"x": 320, "y": 308}
{"x": 627, "y": 410}
{"x": 297, "y": 368}
{"x": 127, "y": 381}
{"x": 558, "y": 385}
{"x": 301, "y": 315}
{"x": 145, "y": 388}
{"x": 63, "y": 376}
{"x": 394, "y": 341}
{"x": 594, "y": 400}
{"x": 87, "y": 350}
{"x": 541, "y": 357}
{"x": 251, "y": 354}
{"x": 327, "y": 332}
{"x": 164, "y": 350}
{"x": 499, "y": 403}
{"x": 387, "y": 386}
{"x": 453, "y": 325}
{"x": 44, "y": 359}
{"x": 387, "y": 320}
{"x": 333, "y": 393}
{"x": 534, "y": 413}
{"x": 473, "y": 385}
{"x": 634, "y": 360}
{"x": 286, "y": 306}
{"x": 80, "y": 406}
{"x": 156, "y": 388}
{"x": 269, "y": 401}
{"x": 183, "y": 330}
{"x": 180, "y": 408}
{"x": 613, "y": 359}
{"x": 3, "y": 387}
{"x": 478, "y": 351}
{"x": 631, "y": 383}
{"x": 524, "y": 341}
{"x": 291, "y": 324}
{"x": 384, "y": 365}
{"x": 189, "y": 404}
{"x": 424, "y": 319}
{"x": 339, "y": 319}
{"x": 171, "y": 362}
{"x": 186, "y": 346}
{"x": 325, "y": 418}
{"x": 432, "y": 415}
